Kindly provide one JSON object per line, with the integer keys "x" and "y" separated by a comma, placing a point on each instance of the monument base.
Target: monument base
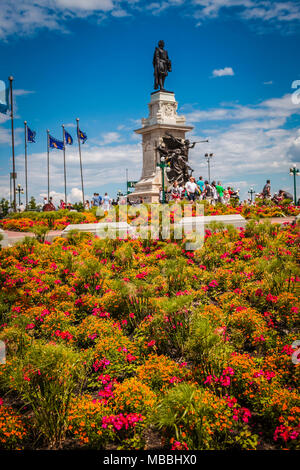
{"x": 162, "y": 119}
{"x": 147, "y": 189}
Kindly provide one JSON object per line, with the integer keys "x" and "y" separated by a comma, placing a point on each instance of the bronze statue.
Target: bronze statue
{"x": 176, "y": 154}
{"x": 175, "y": 151}
{"x": 162, "y": 65}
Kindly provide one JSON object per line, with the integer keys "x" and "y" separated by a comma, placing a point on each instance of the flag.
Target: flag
{"x": 55, "y": 144}
{"x": 82, "y": 136}
{"x": 30, "y": 135}
{"x": 4, "y": 97}
{"x": 68, "y": 138}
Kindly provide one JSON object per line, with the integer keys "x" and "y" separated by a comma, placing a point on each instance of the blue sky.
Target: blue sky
{"x": 233, "y": 63}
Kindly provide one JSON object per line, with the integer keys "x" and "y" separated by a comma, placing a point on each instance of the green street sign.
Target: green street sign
{"x": 131, "y": 184}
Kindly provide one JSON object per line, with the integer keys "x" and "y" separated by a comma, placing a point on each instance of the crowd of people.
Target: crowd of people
{"x": 201, "y": 190}
{"x": 276, "y": 197}
{"x": 193, "y": 190}
{"x": 215, "y": 192}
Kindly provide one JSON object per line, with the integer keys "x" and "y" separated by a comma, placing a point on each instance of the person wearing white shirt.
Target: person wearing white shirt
{"x": 191, "y": 189}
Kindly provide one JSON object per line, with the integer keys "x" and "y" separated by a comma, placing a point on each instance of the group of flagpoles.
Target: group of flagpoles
{"x": 65, "y": 168}
{"x": 13, "y": 174}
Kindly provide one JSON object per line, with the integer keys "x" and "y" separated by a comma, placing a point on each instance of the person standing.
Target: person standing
{"x": 62, "y": 204}
{"x": 99, "y": 199}
{"x": 215, "y": 193}
{"x": 208, "y": 192}
{"x": 175, "y": 192}
{"x": 266, "y": 192}
{"x": 191, "y": 189}
{"x": 220, "y": 190}
{"x": 95, "y": 200}
{"x": 106, "y": 202}
{"x": 87, "y": 205}
{"x": 200, "y": 183}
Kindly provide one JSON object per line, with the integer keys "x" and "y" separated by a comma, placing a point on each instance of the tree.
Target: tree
{"x": 4, "y": 207}
{"x": 32, "y": 205}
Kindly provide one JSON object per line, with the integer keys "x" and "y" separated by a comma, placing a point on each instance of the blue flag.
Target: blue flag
{"x": 55, "y": 144}
{"x": 30, "y": 135}
{"x": 82, "y": 136}
{"x": 4, "y": 97}
{"x": 68, "y": 138}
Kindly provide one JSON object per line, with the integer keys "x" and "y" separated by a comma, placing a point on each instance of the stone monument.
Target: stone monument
{"x": 162, "y": 121}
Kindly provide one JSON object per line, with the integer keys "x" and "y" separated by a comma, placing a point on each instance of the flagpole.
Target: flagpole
{"x": 79, "y": 148}
{"x": 65, "y": 176}
{"x": 13, "y": 139}
{"x": 48, "y": 167}
{"x": 26, "y": 186}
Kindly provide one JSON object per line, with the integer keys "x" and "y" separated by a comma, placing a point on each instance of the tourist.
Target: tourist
{"x": 220, "y": 190}
{"x": 191, "y": 189}
{"x": 226, "y": 196}
{"x": 284, "y": 195}
{"x": 215, "y": 193}
{"x": 87, "y": 205}
{"x": 106, "y": 202}
{"x": 95, "y": 200}
{"x": 208, "y": 192}
{"x": 21, "y": 207}
{"x": 175, "y": 192}
{"x": 52, "y": 206}
{"x": 62, "y": 204}
{"x": 99, "y": 199}
{"x": 200, "y": 183}
{"x": 266, "y": 192}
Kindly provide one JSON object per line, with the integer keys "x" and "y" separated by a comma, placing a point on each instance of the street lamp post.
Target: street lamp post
{"x": 20, "y": 191}
{"x": 208, "y": 157}
{"x": 163, "y": 165}
{"x": 251, "y": 192}
{"x": 294, "y": 171}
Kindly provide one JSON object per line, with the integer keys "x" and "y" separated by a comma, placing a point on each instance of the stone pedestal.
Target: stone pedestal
{"x": 162, "y": 118}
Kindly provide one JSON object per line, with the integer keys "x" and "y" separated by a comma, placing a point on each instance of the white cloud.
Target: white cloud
{"x": 223, "y": 72}
{"x": 110, "y": 138}
{"x": 248, "y": 139}
{"x": 28, "y": 16}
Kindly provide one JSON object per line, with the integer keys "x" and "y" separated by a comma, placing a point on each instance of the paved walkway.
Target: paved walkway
{"x": 10, "y": 237}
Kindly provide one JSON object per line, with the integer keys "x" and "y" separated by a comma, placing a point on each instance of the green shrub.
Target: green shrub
{"x": 46, "y": 378}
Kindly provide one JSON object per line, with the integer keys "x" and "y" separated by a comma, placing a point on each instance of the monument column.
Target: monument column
{"x": 162, "y": 118}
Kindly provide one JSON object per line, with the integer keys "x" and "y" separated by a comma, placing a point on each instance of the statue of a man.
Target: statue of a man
{"x": 162, "y": 65}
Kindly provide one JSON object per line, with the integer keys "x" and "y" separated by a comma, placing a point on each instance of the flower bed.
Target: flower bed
{"x": 58, "y": 220}
{"x": 109, "y": 340}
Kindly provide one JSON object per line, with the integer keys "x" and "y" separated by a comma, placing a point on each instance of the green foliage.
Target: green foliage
{"x": 46, "y": 378}
{"x": 40, "y": 232}
{"x": 205, "y": 346}
{"x": 4, "y": 207}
